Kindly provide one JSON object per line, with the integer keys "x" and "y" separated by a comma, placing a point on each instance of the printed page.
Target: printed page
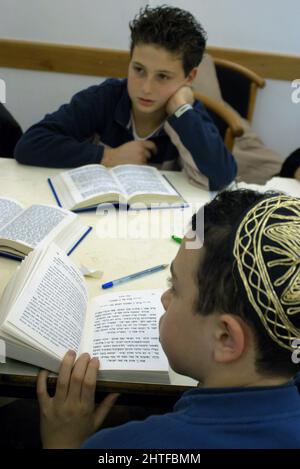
{"x": 9, "y": 209}
{"x": 136, "y": 179}
{"x": 51, "y": 311}
{"x": 88, "y": 181}
{"x": 35, "y": 223}
{"x": 123, "y": 329}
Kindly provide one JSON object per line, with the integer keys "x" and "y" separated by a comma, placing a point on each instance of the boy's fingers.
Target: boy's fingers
{"x": 41, "y": 387}
{"x": 77, "y": 376}
{"x": 89, "y": 383}
{"x": 148, "y": 154}
{"x": 63, "y": 380}
{"x": 150, "y": 146}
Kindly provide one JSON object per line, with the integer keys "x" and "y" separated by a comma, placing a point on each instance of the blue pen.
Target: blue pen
{"x": 151, "y": 270}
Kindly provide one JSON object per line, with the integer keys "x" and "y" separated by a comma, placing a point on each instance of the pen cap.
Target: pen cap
{"x": 107, "y": 285}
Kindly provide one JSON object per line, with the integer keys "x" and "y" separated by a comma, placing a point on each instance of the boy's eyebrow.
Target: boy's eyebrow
{"x": 168, "y": 72}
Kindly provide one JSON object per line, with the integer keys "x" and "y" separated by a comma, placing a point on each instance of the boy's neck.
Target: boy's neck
{"x": 146, "y": 123}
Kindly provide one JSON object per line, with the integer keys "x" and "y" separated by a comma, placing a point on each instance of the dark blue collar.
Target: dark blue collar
{"x": 123, "y": 109}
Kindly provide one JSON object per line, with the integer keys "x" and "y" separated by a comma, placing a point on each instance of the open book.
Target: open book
{"x": 44, "y": 311}
{"x": 22, "y": 230}
{"x": 91, "y": 185}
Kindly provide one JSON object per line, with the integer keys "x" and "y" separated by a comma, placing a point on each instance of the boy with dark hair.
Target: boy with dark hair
{"x": 151, "y": 117}
{"x": 163, "y": 26}
{"x": 232, "y": 322}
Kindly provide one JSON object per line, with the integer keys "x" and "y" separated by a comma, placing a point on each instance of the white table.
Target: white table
{"x": 114, "y": 256}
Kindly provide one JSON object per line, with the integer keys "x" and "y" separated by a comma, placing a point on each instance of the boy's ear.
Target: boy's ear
{"x": 231, "y": 338}
{"x": 191, "y": 76}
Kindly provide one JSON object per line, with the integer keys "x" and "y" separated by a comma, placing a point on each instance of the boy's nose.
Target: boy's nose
{"x": 147, "y": 86}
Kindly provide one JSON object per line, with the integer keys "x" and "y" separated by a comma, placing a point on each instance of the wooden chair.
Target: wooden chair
{"x": 227, "y": 122}
{"x": 238, "y": 86}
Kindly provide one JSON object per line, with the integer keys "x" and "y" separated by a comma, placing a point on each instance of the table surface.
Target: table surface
{"x": 116, "y": 247}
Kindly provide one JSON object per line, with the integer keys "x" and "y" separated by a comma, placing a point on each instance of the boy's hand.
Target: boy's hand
{"x": 70, "y": 417}
{"x": 182, "y": 96}
{"x": 136, "y": 152}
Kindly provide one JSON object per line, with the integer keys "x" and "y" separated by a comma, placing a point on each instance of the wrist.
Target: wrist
{"x": 106, "y": 156}
{"x": 174, "y": 105}
{"x": 182, "y": 109}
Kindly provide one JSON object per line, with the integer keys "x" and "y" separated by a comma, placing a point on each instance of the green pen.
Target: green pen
{"x": 176, "y": 239}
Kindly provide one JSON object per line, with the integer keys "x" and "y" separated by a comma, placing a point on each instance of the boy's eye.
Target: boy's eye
{"x": 162, "y": 76}
{"x": 138, "y": 70}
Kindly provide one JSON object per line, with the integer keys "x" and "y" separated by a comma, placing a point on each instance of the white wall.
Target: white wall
{"x": 266, "y": 25}
{"x": 100, "y": 23}
{"x": 96, "y": 23}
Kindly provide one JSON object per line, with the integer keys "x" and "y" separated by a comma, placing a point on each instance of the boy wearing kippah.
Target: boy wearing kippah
{"x": 232, "y": 322}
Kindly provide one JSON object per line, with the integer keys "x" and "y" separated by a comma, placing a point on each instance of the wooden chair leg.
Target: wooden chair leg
{"x": 229, "y": 140}
{"x": 252, "y": 98}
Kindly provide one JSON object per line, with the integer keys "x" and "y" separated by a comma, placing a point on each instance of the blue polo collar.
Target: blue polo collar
{"x": 123, "y": 109}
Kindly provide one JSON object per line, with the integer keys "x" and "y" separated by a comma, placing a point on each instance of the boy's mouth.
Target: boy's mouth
{"x": 145, "y": 102}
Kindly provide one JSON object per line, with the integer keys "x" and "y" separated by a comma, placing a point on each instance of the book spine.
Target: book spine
{"x": 80, "y": 239}
{"x": 86, "y": 209}
{"x": 161, "y": 207}
{"x": 12, "y": 256}
{"x": 54, "y": 192}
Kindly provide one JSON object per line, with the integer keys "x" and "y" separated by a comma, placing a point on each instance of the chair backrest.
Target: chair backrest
{"x": 10, "y": 133}
{"x": 220, "y": 81}
{"x": 238, "y": 86}
{"x": 227, "y": 121}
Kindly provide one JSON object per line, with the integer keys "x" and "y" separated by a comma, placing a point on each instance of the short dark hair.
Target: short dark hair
{"x": 218, "y": 289}
{"x": 290, "y": 165}
{"x": 174, "y": 29}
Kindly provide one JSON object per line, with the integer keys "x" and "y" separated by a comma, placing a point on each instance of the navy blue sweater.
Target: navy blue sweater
{"x": 266, "y": 417}
{"x": 65, "y": 137}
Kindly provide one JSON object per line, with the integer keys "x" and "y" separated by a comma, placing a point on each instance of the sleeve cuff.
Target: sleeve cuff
{"x": 182, "y": 109}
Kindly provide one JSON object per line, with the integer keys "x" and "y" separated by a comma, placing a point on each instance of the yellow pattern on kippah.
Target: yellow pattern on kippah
{"x": 274, "y": 220}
